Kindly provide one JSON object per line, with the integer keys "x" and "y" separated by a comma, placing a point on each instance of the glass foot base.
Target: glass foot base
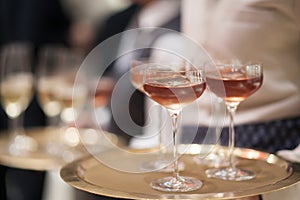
{"x": 230, "y": 174}
{"x": 171, "y": 184}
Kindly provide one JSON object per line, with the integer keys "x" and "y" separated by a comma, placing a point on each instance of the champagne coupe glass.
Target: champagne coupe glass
{"x": 55, "y": 79}
{"x": 136, "y": 77}
{"x": 233, "y": 81}
{"x": 173, "y": 88}
{"x": 16, "y": 93}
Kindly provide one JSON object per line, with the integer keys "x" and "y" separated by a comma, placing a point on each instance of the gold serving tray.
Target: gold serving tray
{"x": 273, "y": 173}
{"x": 41, "y": 160}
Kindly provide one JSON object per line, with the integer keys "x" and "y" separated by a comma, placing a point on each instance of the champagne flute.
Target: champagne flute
{"x": 16, "y": 93}
{"x": 173, "y": 88}
{"x": 51, "y": 59}
{"x": 55, "y": 79}
{"x": 233, "y": 81}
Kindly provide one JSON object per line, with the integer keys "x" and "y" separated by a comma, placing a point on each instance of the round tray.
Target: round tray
{"x": 41, "y": 159}
{"x": 272, "y": 173}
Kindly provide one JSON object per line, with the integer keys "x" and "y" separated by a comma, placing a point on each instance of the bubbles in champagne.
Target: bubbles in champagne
{"x": 16, "y": 95}
{"x": 175, "y": 80}
{"x": 233, "y": 74}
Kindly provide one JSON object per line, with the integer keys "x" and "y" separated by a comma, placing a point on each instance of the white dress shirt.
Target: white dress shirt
{"x": 264, "y": 30}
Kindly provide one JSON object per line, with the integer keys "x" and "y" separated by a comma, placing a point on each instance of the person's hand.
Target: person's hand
{"x": 290, "y": 155}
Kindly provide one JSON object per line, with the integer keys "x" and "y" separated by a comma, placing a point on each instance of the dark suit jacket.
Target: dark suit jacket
{"x": 115, "y": 24}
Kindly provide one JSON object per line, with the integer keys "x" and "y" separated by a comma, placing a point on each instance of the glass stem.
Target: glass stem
{"x": 174, "y": 116}
{"x": 53, "y": 120}
{"x": 161, "y": 136}
{"x": 231, "y": 107}
{"x": 16, "y": 125}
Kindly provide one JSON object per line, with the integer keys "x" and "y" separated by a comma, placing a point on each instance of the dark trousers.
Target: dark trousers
{"x": 268, "y": 136}
{"x": 19, "y": 184}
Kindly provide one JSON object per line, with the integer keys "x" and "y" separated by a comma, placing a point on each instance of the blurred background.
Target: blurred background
{"x": 72, "y": 24}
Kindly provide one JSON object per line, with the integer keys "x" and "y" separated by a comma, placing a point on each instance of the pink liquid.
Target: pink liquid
{"x": 102, "y": 97}
{"x": 234, "y": 89}
{"x": 174, "y": 97}
{"x": 103, "y": 92}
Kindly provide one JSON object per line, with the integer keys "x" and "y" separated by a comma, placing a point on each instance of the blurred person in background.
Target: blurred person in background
{"x": 87, "y": 20}
{"x": 265, "y": 31}
{"x": 139, "y": 14}
{"x": 86, "y": 16}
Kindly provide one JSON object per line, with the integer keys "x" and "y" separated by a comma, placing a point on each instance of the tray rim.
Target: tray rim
{"x": 72, "y": 174}
{"x": 43, "y": 161}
